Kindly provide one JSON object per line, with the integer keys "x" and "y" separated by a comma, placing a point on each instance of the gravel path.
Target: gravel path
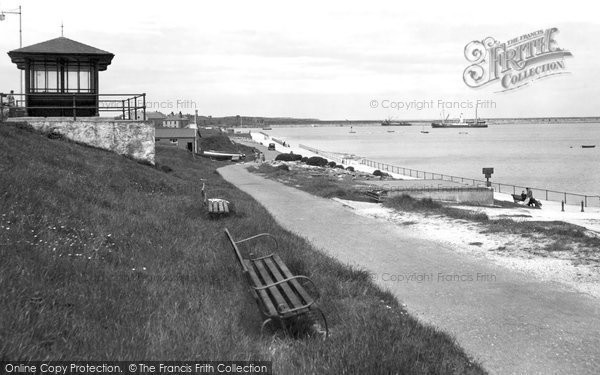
{"x": 508, "y": 321}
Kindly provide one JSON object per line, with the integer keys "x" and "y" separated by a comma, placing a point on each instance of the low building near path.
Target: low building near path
{"x": 186, "y": 138}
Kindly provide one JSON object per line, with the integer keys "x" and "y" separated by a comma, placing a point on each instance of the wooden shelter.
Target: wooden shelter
{"x": 61, "y": 77}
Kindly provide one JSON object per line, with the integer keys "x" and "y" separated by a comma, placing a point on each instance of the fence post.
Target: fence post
{"x": 565, "y": 197}
{"x": 546, "y": 194}
{"x": 74, "y": 109}
{"x": 135, "y": 108}
{"x": 144, "y": 103}
{"x": 562, "y": 206}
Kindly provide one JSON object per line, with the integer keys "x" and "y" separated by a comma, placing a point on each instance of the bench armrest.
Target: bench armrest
{"x": 288, "y": 279}
{"x": 258, "y": 236}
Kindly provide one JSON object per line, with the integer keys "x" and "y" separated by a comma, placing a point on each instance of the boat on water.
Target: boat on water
{"x": 223, "y": 155}
{"x": 267, "y": 128}
{"x": 390, "y": 122}
{"x": 588, "y": 146}
{"x": 351, "y": 131}
{"x": 461, "y": 123}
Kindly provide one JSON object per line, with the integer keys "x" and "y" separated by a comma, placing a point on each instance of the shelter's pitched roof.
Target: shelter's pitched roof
{"x": 61, "y": 45}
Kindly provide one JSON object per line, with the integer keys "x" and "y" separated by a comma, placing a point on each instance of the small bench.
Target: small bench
{"x": 215, "y": 206}
{"x": 278, "y": 293}
{"x": 517, "y": 198}
{"x": 376, "y": 195}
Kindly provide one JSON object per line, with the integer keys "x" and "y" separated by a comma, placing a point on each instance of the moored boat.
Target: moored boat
{"x": 390, "y": 122}
{"x": 223, "y": 155}
{"x": 461, "y": 123}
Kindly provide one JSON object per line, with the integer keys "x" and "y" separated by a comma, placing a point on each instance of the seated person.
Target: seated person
{"x": 523, "y": 195}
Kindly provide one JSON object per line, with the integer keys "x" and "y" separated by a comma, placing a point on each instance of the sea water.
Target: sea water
{"x": 544, "y": 156}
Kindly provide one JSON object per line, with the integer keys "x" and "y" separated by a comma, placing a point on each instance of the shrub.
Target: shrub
{"x": 332, "y": 164}
{"x": 317, "y": 161}
{"x": 377, "y": 172}
{"x": 350, "y": 169}
{"x": 284, "y": 157}
{"x": 304, "y": 159}
{"x": 288, "y": 157}
{"x": 55, "y": 135}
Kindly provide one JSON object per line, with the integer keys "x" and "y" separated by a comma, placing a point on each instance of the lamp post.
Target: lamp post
{"x": 2, "y": 17}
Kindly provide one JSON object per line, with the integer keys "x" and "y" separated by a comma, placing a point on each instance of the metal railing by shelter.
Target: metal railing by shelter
{"x": 122, "y": 106}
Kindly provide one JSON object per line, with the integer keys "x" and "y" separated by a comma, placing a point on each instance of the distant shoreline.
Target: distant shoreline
{"x": 490, "y": 121}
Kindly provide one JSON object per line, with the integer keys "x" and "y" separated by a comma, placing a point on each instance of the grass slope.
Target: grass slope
{"x": 107, "y": 259}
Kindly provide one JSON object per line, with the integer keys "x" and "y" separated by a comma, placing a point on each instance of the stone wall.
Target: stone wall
{"x": 131, "y": 138}
{"x": 474, "y": 195}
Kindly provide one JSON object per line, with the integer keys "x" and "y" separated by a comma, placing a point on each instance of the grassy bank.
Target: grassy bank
{"x": 104, "y": 258}
{"x": 321, "y": 184}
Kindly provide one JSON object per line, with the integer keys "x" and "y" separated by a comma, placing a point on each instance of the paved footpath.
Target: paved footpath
{"x": 509, "y": 322}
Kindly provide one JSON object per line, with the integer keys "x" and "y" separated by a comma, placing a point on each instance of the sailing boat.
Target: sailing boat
{"x": 423, "y": 130}
{"x": 351, "y": 131}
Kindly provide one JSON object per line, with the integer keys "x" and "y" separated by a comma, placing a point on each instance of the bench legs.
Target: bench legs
{"x": 262, "y": 327}
{"x": 315, "y": 313}
{"x": 270, "y": 320}
{"x": 324, "y": 320}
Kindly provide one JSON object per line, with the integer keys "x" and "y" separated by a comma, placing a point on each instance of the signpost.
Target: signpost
{"x": 488, "y": 173}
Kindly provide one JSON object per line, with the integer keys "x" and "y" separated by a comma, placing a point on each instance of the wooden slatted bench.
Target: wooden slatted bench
{"x": 278, "y": 293}
{"x": 215, "y": 206}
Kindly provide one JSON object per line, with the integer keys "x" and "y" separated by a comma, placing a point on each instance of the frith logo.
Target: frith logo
{"x": 515, "y": 63}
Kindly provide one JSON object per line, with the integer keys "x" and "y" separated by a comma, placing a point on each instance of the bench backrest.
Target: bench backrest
{"x": 238, "y": 254}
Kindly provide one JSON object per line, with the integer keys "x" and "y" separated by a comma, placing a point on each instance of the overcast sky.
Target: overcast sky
{"x": 316, "y": 59}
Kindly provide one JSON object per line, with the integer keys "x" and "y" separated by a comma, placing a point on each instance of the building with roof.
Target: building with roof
{"x": 184, "y": 138}
{"x": 60, "y": 75}
{"x": 175, "y": 121}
